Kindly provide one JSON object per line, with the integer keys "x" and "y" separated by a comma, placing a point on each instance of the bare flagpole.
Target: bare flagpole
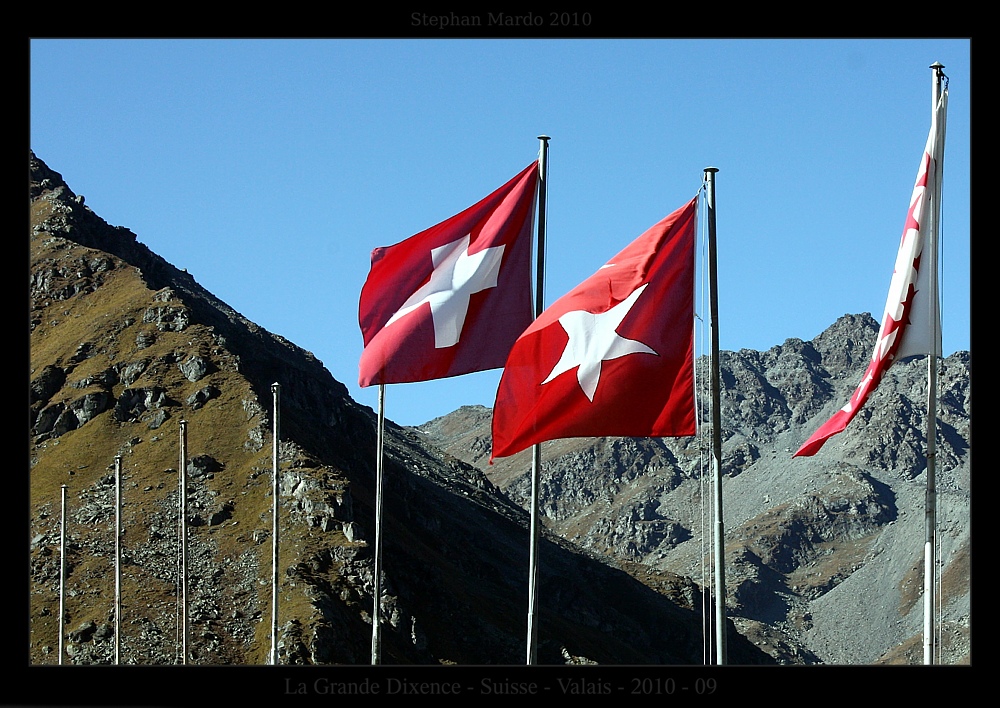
{"x": 720, "y": 565}
{"x": 118, "y": 556}
{"x": 377, "y": 580}
{"x": 931, "y": 652}
{"x": 275, "y": 489}
{"x": 62, "y": 572}
{"x": 536, "y": 449}
{"x": 182, "y": 514}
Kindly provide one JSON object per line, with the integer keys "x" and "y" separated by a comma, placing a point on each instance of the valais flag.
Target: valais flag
{"x": 614, "y": 356}
{"x": 911, "y": 305}
{"x": 452, "y": 299}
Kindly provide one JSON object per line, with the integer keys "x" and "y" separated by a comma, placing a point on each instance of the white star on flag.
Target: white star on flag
{"x": 593, "y": 340}
{"x": 457, "y": 276}
{"x": 641, "y": 303}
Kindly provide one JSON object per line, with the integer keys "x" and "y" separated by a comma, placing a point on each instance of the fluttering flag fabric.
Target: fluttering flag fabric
{"x": 615, "y": 355}
{"x": 911, "y": 306}
{"x": 452, "y": 299}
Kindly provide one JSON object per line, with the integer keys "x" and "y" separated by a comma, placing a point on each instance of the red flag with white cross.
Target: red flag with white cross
{"x": 452, "y": 299}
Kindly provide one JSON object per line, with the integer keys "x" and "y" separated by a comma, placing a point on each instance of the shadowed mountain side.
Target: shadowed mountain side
{"x": 610, "y": 618}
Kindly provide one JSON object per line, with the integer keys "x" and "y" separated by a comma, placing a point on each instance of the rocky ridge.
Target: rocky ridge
{"x": 815, "y": 547}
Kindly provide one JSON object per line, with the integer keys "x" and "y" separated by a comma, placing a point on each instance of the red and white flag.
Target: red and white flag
{"x": 452, "y": 299}
{"x": 909, "y": 324}
{"x": 615, "y": 355}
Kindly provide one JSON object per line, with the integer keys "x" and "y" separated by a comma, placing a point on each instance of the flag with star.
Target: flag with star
{"x": 911, "y": 304}
{"x": 452, "y": 299}
{"x": 615, "y": 355}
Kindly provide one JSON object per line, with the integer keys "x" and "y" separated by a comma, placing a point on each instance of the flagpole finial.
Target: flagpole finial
{"x": 937, "y": 65}
{"x": 544, "y": 137}
{"x": 712, "y": 169}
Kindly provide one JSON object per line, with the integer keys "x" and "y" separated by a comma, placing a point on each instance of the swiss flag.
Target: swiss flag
{"x": 910, "y": 323}
{"x": 615, "y": 355}
{"x": 452, "y": 299}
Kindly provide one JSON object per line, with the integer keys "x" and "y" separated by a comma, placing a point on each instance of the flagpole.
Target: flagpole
{"x": 275, "y": 489}
{"x": 62, "y": 572}
{"x": 118, "y": 555}
{"x": 377, "y": 580}
{"x": 930, "y": 504}
{"x": 182, "y": 513}
{"x": 536, "y": 449}
{"x": 720, "y": 572}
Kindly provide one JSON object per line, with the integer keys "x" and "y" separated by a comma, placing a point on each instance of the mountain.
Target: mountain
{"x": 824, "y": 555}
{"x": 124, "y": 347}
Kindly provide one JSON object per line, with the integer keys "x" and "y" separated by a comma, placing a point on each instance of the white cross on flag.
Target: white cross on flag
{"x": 452, "y": 299}
{"x": 614, "y": 356}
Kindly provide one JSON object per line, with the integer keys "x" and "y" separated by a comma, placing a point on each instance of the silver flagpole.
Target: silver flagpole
{"x": 931, "y": 653}
{"x": 720, "y": 572}
{"x": 182, "y": 513}
{"x": 118, "y": 556}
{"x": 536, "y": 449}
{"x": 275, "y": 489}
{"x": 62, "y": 573}
{"x": 377, "y": 580}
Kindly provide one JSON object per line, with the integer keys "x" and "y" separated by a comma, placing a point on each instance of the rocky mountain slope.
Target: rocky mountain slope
{"x": 124, "y": 346}
{"x": 824, "y": 555}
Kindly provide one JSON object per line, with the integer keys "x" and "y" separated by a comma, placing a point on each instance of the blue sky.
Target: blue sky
{"x": 269, "y": 169}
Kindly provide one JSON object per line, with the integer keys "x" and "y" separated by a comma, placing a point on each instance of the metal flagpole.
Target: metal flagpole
{"x": 931, "y": 247}
{"x": 62, "y": 573}
{"x": 536, "y": 449}
{"x": 720, "y": 574}
{"x": 377, "y": 580}
{"x": 118, "y": 556}
{"x": 182, "y": 514}
{"x": 704, "y": 497}
{"x": 275, "y": 489}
